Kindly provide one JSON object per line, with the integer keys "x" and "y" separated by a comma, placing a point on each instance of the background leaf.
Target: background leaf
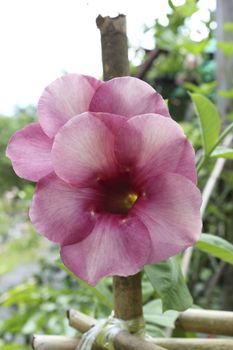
{"x": 153, "y": 313}
{"x": 216, "y": 246}
{"x": 209, "y": 120}
{"x": 167, "y": 279}
{"x": 204, "y": 89}
{"x": 100, "y": 290}
{"x": 222, "y": 152}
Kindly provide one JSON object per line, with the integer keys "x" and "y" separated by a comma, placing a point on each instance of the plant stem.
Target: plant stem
{"x": 127, "y": 297}
{"x": 114, "y": 46}
{"x": 127, "y": 290}
{"x": 221, "y": 138}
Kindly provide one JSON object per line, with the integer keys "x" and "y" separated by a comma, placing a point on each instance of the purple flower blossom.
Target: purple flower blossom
{"x": 116, "y": 176}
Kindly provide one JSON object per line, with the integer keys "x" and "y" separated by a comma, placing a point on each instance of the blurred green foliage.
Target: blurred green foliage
{"x": 8, "y": 126}
{"x": 182, "y": 63}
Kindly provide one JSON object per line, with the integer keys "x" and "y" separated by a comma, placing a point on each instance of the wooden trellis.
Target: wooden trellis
{"x": 203, "y": 321}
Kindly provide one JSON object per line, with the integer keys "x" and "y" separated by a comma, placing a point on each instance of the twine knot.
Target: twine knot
{"x": 104, "y": 332}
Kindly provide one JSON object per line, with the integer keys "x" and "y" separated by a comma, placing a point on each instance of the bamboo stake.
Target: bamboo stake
{"x": 195, "y": 344}
{"x": 114, "y": 45}
{"x": 80, "y": 321}
{"x": 206, "y": 321}
{"x": 122, "y": 341}
{"x": 203, "y": 321}
{"x": 54, "y": 342}
{"x": 127, "y": 290}
{"x": 126, "y": 341}
{"x": 127, "y": 297}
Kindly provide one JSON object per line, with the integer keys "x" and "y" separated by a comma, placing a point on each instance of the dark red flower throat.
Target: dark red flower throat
{"x": 118, "y": 195}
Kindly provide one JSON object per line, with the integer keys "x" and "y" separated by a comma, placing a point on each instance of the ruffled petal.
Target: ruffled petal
{"x": 170, "y": 209}
{"x": 152, "y": 145}
{"x": 83, "y": 149}
{"x": 63, "y": 99}
{"x": 61, "y": 212}
{"x": 115, "y": 247}
{"x": 128, "y": 96}
{"x": 29, "y": 149}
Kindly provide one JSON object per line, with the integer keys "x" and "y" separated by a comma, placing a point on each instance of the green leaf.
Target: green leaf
{"x": 209, "y": 120}
{"x": 153, "y": 331}
{"x": 153, "y": 314}
{"x": 204, "y": 89}
{"x": 216, "y": 246}
{"x": 167, "y": 279}
{"x": 187, "y": 9}
{"x": 226, "y": 47}
{"x": 222, "y": 152}
{"x": 196, "y": 48}
{"x": 100, "y": 290}
{"x": 170, "y": 3}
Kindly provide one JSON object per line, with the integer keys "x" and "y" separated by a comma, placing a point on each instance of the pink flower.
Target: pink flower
{"x": 30, "y": 148}
{"x": 120, "y": 192}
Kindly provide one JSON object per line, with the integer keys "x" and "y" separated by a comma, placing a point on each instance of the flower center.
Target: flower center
{"x": 117, "y": 195}
{"x": 130, "y": 199}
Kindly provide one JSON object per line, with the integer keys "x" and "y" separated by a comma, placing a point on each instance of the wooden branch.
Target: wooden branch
{"x": 203, "y": 321}
{"x": 195, "y": 344}
{"x": 123, "y": 341}
{"x": 127, "y": 290}
{"x": 206, "y": 321}
{"x": 80, "y": 321}
{"x": 114, "y": 46}
{"x": 126, "y": 341}
{"x": 54, "y": 342}
{"x": 127, "y": 297}
{"x": 146, "y": 65}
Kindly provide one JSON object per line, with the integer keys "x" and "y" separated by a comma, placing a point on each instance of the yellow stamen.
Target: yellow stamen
{"x": 130, "y": 199}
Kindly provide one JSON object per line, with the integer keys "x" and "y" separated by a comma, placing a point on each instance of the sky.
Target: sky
{"x": 42, "y": 39}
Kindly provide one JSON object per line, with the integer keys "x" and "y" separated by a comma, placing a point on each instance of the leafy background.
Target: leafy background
{"x": 36, "y": 289}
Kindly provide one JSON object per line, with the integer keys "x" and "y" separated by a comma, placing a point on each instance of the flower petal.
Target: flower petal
{"x": 170, "y": 209}
{"x": 114, "y": 247}
{"x": 152, "y": 145}
{"x": 63, "y": 99}
{"x": 128, "y": 96}
{"x": 29, "y": 150}
{"x": 84, "y": 148}
{"x": 62, "y": 212}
